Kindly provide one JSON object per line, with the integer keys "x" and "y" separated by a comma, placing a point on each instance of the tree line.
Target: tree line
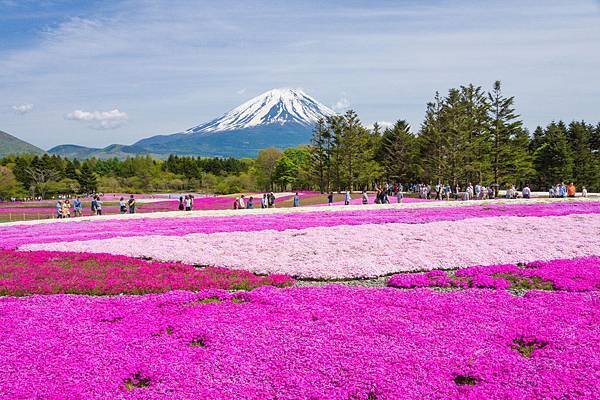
{"x": 51, "y": 175}
{"x": 468, "y": 135}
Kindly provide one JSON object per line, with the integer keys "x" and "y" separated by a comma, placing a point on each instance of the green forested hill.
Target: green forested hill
{"x": 12, "y": 145}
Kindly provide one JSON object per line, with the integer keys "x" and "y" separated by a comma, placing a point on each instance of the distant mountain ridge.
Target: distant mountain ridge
{"x": 11, "y": 145}
{"x": 279, "y": 118}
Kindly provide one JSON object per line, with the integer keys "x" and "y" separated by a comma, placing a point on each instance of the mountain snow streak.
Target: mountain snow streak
{"x": 277, "y": 106}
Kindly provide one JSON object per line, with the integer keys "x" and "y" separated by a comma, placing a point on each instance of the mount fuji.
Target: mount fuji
{"x": 279, "y": 118}
{"x": 277, "y": 106}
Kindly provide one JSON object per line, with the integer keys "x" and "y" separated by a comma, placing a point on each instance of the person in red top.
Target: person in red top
{"x": 571, "y": 190}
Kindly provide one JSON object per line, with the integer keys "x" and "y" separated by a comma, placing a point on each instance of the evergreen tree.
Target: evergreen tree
{"x": 20, "y": 171}
{"x": 595, "y": 139}
{"x": 397, "y": 152}
{"x": 511, "y": 162}
{"x": 553, "y": 159}
{"x": 433, "y": 143}
{"x": 456, "y": 141}
{"x": 320, "y": 155}
{"x": 88, "y": 182}
{"x": 585, "y": 170}
{"x": 521, "y": 166}
{"x": 475, "y": 128}
{"x": 70, "y": 170}
{"x": 352, "y": 151}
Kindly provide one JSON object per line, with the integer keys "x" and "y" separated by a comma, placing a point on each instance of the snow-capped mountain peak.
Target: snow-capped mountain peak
{"x": 277, "y": 106}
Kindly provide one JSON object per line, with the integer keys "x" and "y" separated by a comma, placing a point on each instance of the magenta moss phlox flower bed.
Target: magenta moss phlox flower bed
{"x": 44, "y": 272}
{"x": 573, "y": 275}
{"x": 302, "y": 343}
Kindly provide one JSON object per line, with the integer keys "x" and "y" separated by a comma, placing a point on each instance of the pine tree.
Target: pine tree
{"x": 476, "y": 133}
{"x": 584, "y": 169}
{"x": 456, "y": 144}
{"x": 553, "y": 158}
{"x": 320, "y": 155}
{"x": 433, "y": 143}
{"x": 87, "y": 179}
{"x": 397, "y": 152}
{"x": 510, "y": 159}
{"x": 352, "y": 153}
{"x": 70, "y": 171}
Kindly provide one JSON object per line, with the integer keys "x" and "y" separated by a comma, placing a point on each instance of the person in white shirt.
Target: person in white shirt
{"x": 583, "y": 192}
{"x": 526, "y": 192}
{"x": 347, "y": 198}
{"x": 242, "y": 202}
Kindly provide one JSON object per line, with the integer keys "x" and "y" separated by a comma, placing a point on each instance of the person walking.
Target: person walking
{"x": 131, "y": 204}
{"x": 296, "y": 200}
{"x": 59, "y": 209}
{"x": 98, "y": 206}
{"x": 571, "y": 190}
{"x": 365, "y": 197}
{"x": 242, "y": 202}
{"x": 77, "y": 206}
{"x": 250, "y": 203}
{"x": 122, "y": 206}
{"x": 562, "y": 190}
{"x": 264, "y": 203}
{"x": 583, "y": 191}
{"x": 347, "y": 197}
{"x": 67, "y": 209}
{"x": 399, "y": 195}
{"x": 93, "y": 205}
{"x": 271, "y": 199}
{"x": 447, "y": 191}
{"x": 188, "y": 203}
{"x": 330, "y": 198}
{"x": 181, "y": 206}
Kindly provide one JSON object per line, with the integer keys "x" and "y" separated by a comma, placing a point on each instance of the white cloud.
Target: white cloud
{"x": 342, "y": 104}
{"x": 383, "y": 125}
{"x": 23, "y": 108}
{"x": 99, "y": 119}
{"x": 241, "y": 91}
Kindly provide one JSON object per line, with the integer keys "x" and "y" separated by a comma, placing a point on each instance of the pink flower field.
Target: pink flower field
{"x": 491, "y": 300}
{"x": 572, "y": 275}
{"x": 103, "y": 274}
{"x": 302, "y": 343}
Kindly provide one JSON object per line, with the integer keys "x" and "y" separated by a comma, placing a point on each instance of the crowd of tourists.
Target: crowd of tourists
{"x": 266, "y": 201}
{"x": 64, "y": 207}
{"x": 186, "y": 203}
{"x": 562, "y": 190}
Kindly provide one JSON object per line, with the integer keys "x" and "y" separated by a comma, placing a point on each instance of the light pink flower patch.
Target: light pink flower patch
{"x": 13, "y": 236}
{"x": 366, "y": 250}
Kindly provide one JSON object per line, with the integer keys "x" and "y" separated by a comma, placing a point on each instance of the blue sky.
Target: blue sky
{"x": 102, "y": 72}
